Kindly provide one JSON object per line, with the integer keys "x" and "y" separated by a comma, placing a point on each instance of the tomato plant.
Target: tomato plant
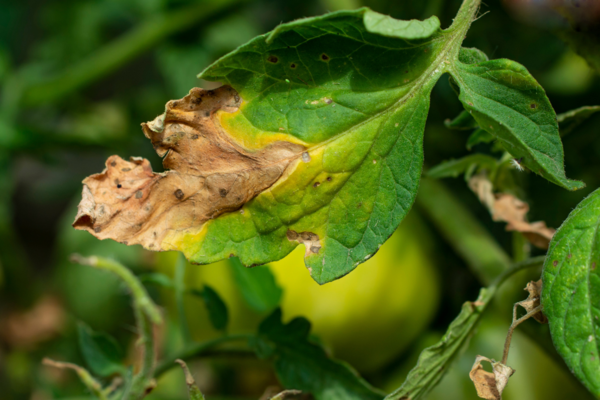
{"x": 303, "y": 238}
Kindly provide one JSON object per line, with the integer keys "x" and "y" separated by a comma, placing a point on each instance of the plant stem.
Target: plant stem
{"x": 462, "y": 231}
{"x": 512, "y": 329}
{"x": 197, "y": 350}
{"x": 86, "y": 378}
{"x": 120, "y": 51}
{"x": 142, "y": 380}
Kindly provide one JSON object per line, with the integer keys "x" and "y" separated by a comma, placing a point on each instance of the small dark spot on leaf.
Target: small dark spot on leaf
{"x": 97, "y": 229}
{"x": 359, "y": 205}
{"x": 316, "y": 184}
{"x": 113, "y": 164}
{"x": 533, "y": 105}
{"x": 594, "y": 265}
{"x": 555, "y": 263}
{"x": 207, "y": 114}
{"x": 125, "y": 169}
{"x": 222, "y": 192}
{"x": 195, "y": 136}
{"x": 138, "y": 194}
{"x": 196, "y": 100}
{"x": 425, "y": 51}
{"x": 179, "y": 194}
{"x": 569, "y": 255}
{"x": 324, "y": 57}
{"x": 292, "y": 235}
{"x": 328, "y": 179}
{"x": 119, "y": 186}
{"x": 231, "y": 255}
{"x": 406, "y": 72}
{"x": 154, "y": 234}
{"x": 125, "y": 242}
{"x": 273, "y": 59}
{"x": 293, "y": 66}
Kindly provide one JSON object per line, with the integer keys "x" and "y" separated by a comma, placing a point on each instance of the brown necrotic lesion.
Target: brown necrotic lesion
{"x": 208, "y": 174}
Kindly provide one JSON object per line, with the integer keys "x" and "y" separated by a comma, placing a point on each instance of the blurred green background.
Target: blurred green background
{"x": 77, "y": 77}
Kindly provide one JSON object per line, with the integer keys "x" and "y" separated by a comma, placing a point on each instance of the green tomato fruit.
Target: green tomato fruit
{"x": 372, "y": 314}
{"x": 367, "y": 318}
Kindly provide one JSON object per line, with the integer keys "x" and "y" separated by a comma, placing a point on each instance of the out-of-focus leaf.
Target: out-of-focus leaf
{"x": 479, "y": 136}
{"x": 470, "y": 163}
{"x": 305, "y": 366}
{"x": 506, "y": 101}
{"x": 586, "y": 42}
{"x": 570, "y": 120}
{"x": 463, "y": 121}
{"x": 571, "y": 291}
{"x": 100, "y": 351}
{"x": 156, "y": 278}
{"x": 434, "y": 361}
{"x": 257, "y": 285}
{"x": 216, "y": 307}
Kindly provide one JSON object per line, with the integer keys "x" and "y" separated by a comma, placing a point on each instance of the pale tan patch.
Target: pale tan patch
{"x": 507, "y": 208}
{"x": 490, "y": 385}
{"x": 310, "y": 241}
{"x": 209, "y": 174}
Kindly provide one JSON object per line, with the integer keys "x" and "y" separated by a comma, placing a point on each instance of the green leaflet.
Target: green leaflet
{"x": 506, "y": 101}
{"x": 257, "y": 286}
{"x": 100, "y": 351}
{"x": 303, "y": 365}
{"x": 454, "y": 168}
{"x": 570, "y": 120}
{"x": 571, "y": 291}
{"x": 435, "y": 360}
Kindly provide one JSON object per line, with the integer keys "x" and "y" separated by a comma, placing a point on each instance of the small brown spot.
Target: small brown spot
{"x": 273, "y": 59}
{"x": 207, "y": 114}
{"x": 292, "y": 235}
{"x": 315, "y": 249}
{"x": 328, "y": 179}
{"x": 594, "y": 265}
{"x": 97, "y": 229}
{"x": 231, "y": 255}
{"x": 113, "y": 164}
{"x": 316, "y": 184}
{"x": 293, "y": 66}
{"x": 222, "y": 192}
{"x": 151, "y": 245}
{"x": 533, "y": 106}
{"x": 125, "y": 242}
{"x": 119, "y": 186}
{"x": 425, "y": 51}
{"x": 138, "y": 194}
{"x": 179, "y": 194}
{"x": 154, "y": 234}
{"x": 374, "y": 161}
{"x": 324, "y": 57}
{"x": 125, "y": 169}
{"x": 569, "y": 255}
{"x": 469, "y": 103}
{"x": 195, "y": 136}
{"x": 555, "y": 263}
{"x": 406, "y": 72}
{"x": 359, "y": 205}
{"x": 306, "y": 235}
{"x": 327, "y": 100}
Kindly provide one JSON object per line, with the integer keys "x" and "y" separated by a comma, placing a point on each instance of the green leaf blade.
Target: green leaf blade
{"x": 216, "y": 307}
{"x": 571, "y": 291}
{"x": 257, "y": 285}
{"x": 506, "y": 101}
{"x": 303, "y": 365}
{"x": 100, "y": 351}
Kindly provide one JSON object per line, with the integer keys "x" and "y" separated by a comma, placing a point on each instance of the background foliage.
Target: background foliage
{"x": 77, "y": 78}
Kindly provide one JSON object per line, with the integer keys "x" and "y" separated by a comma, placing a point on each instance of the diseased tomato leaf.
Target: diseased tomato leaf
{"x": 315, "y": 139}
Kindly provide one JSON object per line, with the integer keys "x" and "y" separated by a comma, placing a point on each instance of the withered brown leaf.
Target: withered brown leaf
{"x": 209, "y": 173}
{"x": 490, "y": 385}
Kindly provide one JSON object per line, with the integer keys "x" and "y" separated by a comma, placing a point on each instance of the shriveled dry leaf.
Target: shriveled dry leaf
{"x": 507, "y": 208}
{"x": 490, "y": 385}
{"x": 513, "y": 211}
{"x": 533, "y": 300}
